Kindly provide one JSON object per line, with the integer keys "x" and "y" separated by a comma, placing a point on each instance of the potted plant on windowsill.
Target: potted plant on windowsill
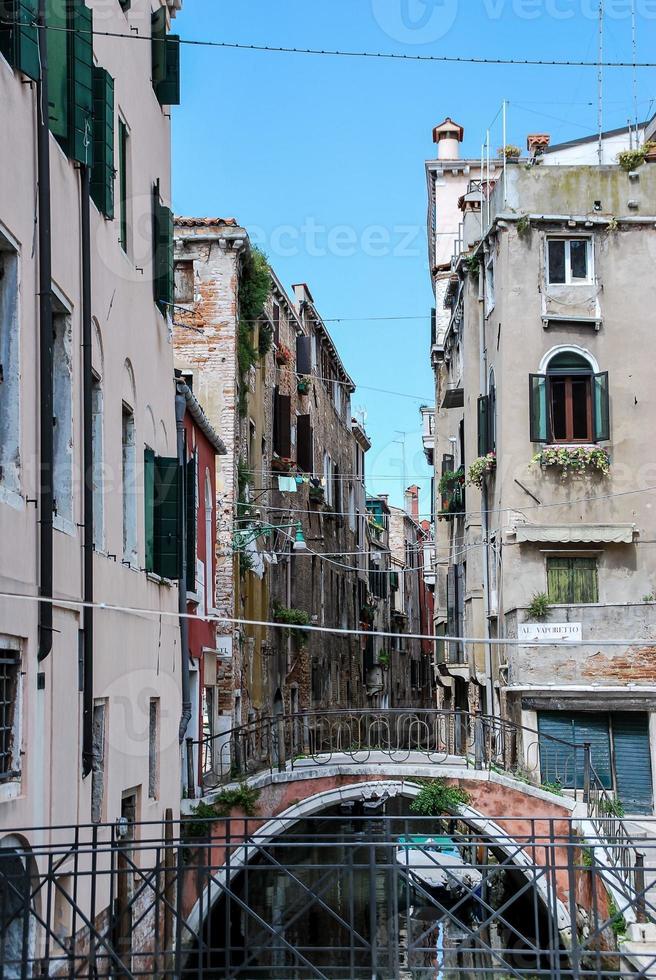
{"x": 574, "y": 459}
{"x": 283, "y": 354}
{"x": 481, "y": 468}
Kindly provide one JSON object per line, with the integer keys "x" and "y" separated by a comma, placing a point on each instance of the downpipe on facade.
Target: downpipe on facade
{"x": 87, "y": 469}
{"x": 46, "y": 501}
{"x": 180, "y": 407}
{"x": 485, "y": 517}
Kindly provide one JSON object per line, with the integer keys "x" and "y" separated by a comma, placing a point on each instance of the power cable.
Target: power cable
{"x": 340, "y": 53}
{"x": 65, "y": 603}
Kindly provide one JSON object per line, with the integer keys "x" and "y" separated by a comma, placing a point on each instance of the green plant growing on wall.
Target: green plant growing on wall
{"x": 616, "y": 919}
{"x": 246, "y": 562}
{"x": 254, "y": 285}
{"x": 524, "y": 226}
{"x": 611, "y": 807}
{"x": 384, "y": 658}
{"x": 292, "y": 617}
{"x": 436, "y": 798}
{"x": 632, "y": 159}
{"x": 552, "y": 787}
{"x": 472, "y": 264}
{"x": 242, "y": 797}
{"x": 538, "y": 607}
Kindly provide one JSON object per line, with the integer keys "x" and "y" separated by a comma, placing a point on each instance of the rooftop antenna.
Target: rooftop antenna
{"x": 634, "y": 48}
{"x": 600, "y": 85}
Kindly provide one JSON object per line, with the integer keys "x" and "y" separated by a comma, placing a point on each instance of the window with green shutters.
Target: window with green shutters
{"x": 19, "y": 38}
{"x": 70, "y": 77}
{"x": 123, "y": 185}
{"x": 165, "y": 61}
{"x": 102, "y": 173}
{"x": 162, "y": 254}
{"x": 572, "y": 581}
{"x": 161, "y": 517}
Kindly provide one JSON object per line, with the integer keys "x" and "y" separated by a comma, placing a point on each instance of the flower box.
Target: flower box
{"x": 481, "y": 468}
{"x": 282, "y": 464}
{"x": 574, "y": 459}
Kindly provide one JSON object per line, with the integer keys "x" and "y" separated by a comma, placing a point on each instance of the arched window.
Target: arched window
{"x": 569, "y": 402}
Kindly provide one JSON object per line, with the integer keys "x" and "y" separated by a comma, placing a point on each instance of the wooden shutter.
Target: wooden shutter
{"x": 191, "y": 535}
{"x": 19, "y": 38}
{"x": 58, "y": 75}
{"x": 633, "y": 779}
{"x": 305, "y": 447}
{"x": 167, "y": 531}
{"x": 433, "y": 327}
{"x": 583, "y": 580}
{"x": 149, "y": 508}
{"x": 163, "y": 271}
{"x": 282, "y": 425}
{"x": 303, "y": 355}
{"x": 483, "y": 425}
{"x": 601, "y": 407}
{"x": 80, "y": 73}
{"x": 448, "y": 463}
{"x": 558, "y": 580}
{"x": 538, "y": 407}
{"x": 102, "y": 174}
{"x": 165, "y": 61}
{"x": 452, "y": 600}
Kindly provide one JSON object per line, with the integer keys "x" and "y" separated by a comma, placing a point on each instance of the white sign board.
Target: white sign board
{"x": 550, "y": 632}
{"x": 224, "y": 647}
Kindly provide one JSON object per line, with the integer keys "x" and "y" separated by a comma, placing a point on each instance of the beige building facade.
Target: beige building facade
{"x": 90, "y": 700}
{"x": 544, "y": 404}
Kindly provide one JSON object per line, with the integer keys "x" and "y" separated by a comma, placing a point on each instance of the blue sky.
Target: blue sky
{"x": 321, "y": 158}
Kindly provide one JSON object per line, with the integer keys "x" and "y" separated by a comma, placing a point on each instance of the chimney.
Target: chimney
{"x": 412, "y": 502}
{"x": 448, "y": 136}
{"x": 537, "y": 143}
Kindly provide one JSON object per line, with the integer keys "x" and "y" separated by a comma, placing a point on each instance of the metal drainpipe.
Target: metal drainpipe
{"x": 185, "y": 718}
{"x": 87, "y": 469}
{"x": 45, "y": 348}
{"x": 485, "y": 520}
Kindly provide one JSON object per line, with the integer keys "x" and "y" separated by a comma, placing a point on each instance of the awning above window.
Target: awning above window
{"x": 453, "y": 398}
{"x": 576, "y": 533}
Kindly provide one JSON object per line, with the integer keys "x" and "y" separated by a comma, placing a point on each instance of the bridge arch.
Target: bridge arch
{"x": 312, "y": 805}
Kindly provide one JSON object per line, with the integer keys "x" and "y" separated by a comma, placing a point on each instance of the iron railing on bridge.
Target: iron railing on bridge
{"x": 340, "y": 897}
{"x": 400, "y": 736}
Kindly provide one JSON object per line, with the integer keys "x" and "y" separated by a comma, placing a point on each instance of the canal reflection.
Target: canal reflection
{"x": 336, "y": 896}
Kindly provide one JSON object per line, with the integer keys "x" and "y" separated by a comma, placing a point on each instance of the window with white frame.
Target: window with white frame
{"x": 9, "y": 369}
{"x": 569, "y": 261}
{"x": 10, "y": 698}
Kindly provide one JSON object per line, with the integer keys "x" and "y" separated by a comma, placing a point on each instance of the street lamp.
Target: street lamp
{"x": 244, "y": 538}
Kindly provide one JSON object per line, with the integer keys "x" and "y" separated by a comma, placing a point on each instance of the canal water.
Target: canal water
{"x": 329, "y": 898}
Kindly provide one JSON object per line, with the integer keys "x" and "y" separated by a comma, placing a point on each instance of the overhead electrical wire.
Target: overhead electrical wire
{"x": 64, "y": 603}
{"x": 341, "y": 53}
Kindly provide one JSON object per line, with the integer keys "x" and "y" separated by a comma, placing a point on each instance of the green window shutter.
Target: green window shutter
{"x": 102, "y": 174}
{"x": 483, "y": 425}
{"x": 572, "y": 581}
{"x": 58, "y": 74}
{"x": 158, "y": 46}
{"x": 165, "y": 61}
{"x": 601, "y": 407}
{"x": 19, "y": 38}
{"x": 81, "y": 83}
{"x": 167, "y": 522}
{"x": 191, "y": 523}
{"x": 584, "y": 584}
{"x": 168, "y": 89}
{"x": 162, "y": 254}
{"x": 538, "y": 407}
{"x": 125, "y": 5}
{"x": 558, "y": 580}
{"x": 149, "y": 508}
{"x": 559, "y": 762}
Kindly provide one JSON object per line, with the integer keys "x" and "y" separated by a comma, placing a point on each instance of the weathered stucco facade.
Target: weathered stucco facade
{"x": 546, "y": 360}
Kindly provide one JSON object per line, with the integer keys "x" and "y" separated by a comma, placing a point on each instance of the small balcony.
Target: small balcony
{"x": 452, "y": 494}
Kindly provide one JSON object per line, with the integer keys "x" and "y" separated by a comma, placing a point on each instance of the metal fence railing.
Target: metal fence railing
{"x": 341, "y": 895}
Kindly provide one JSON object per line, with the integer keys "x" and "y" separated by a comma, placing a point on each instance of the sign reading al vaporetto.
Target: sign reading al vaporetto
{"x": 550, "y": 632}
